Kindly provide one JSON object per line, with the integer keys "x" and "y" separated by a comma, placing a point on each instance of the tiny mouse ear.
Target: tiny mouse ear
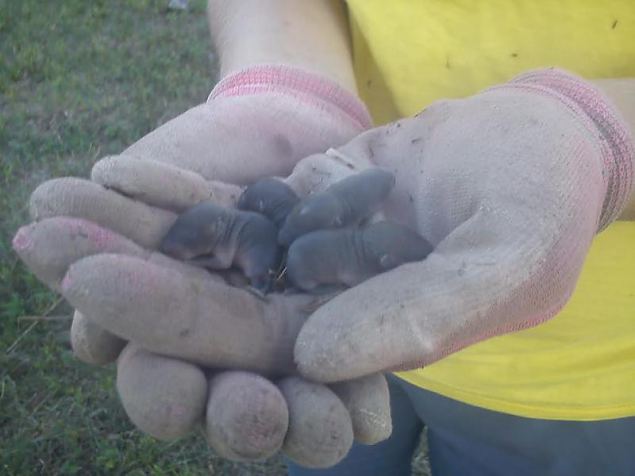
{"x": 388, "y": 261}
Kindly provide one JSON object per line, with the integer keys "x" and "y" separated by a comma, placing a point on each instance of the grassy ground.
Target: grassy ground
{"x": 80, "y": 80}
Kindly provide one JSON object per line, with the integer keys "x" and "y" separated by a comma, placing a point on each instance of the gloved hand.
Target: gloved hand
{"x": 94, "y": 242}
{"x": 510, "y": 185}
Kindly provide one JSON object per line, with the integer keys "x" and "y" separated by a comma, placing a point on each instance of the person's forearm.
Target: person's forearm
{"x": 312, "y": 35}
{"x": 622, "y": 94}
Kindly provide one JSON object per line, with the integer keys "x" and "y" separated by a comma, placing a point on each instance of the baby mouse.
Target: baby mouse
{"x": 271, "y": 197}
{"x": 344, "y": 203}
{"x": 218, "y": 238}
{"x": 327, "y": 260}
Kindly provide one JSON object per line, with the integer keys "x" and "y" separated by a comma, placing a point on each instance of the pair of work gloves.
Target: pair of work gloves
{"x": 509, "y": 185}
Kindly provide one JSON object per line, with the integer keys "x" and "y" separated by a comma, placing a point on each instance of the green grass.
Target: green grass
{"x": 79, "y": 80}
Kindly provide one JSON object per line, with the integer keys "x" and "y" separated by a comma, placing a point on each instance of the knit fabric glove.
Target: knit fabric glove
{"x": 510, "y": 185}
{"x": 95, "y": 241}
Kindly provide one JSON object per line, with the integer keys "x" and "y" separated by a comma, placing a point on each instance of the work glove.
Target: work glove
{"x": 510, "y": 186}
{"x": 195, "y": 349}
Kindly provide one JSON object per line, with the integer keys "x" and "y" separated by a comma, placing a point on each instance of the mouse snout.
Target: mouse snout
{"x": 176, "y": 250}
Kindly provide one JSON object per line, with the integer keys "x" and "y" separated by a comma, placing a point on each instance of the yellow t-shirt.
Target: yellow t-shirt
{"x": 581, "y": 364}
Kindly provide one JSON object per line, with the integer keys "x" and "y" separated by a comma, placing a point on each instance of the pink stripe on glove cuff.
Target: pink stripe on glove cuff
{"x": 306, "y": 86}
{"x": 616, "y": 142}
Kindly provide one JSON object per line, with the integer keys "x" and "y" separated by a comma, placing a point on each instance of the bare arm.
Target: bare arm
{"x": 622, "y": 93}
{"x": 312, "y": 35}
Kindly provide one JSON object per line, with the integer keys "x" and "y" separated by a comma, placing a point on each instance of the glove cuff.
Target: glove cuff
{"x": 616, "y": 143}
{"x": 305, "y": 86}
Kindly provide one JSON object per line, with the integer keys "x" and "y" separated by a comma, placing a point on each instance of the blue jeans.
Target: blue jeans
{"x": 465, "y": 440}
